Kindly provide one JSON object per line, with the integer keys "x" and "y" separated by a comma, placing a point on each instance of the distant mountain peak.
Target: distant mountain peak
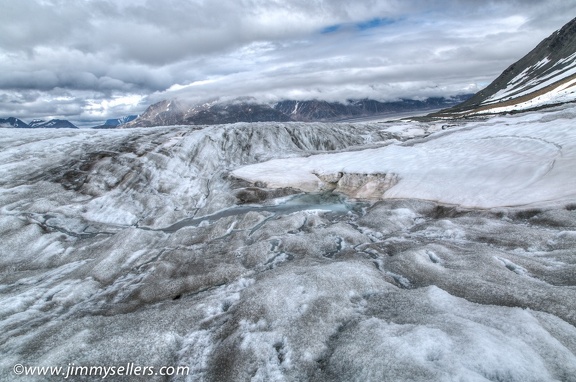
{"x": 37, "y": 123}
{"x": 53, "y": 124}
{"x": 121, "y": 120}
{"x": 13, "y": 122}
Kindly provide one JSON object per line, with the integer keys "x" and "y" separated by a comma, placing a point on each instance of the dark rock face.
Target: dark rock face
{"x": 233, "y": 113}
{"x": 166, "y": 113}
{"x": 13, "y": 122}
{"x": 314, "y": 110}
{"x": 161, "y": 113}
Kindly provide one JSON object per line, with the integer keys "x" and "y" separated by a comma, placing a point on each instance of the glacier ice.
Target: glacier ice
{"x": 289, "y": 251}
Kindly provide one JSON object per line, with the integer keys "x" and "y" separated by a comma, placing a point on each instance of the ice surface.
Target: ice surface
{"x": 145, "y": 246}
{"x": 503, "y": 162}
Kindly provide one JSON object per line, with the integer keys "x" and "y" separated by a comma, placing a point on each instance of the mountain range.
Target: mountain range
{"x": 12, "y": 122}
{"x": 247, "y": 109}
{"x": 37, "y": 123}
{"x": 176, "y": 112}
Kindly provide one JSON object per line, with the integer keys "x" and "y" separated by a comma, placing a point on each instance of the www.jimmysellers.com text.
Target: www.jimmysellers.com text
{"x": 72, "y": 370}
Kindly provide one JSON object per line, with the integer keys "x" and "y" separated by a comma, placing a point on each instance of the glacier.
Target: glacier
{"x": 500, "y": 162}
{"x": 404, "y": 251}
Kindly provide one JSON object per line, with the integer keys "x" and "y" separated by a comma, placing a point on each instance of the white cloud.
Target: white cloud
{"x": 102, "y": 50}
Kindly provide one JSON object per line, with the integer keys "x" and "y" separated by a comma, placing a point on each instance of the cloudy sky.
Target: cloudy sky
{"x": 88, "y": 60}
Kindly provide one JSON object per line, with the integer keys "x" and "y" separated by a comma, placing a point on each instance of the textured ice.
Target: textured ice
{"x": 145, "y": 246}
{"x": 503, "y": 162}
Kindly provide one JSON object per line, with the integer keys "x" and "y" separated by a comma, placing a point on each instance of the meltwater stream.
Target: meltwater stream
{"x": 326, "y": 202}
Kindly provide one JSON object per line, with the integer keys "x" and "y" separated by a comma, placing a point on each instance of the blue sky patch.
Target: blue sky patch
{"x": 331, "y": 29}
{"x": 373, "y": 23}
{"x": 359, "y": 26}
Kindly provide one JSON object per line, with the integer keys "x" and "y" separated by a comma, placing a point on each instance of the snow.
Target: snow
{"x": 296, "y": 107}
{"x": 548, "y": 80}
{"x": 460, "y": 342}
{"x": 560, "y": 94}
{"x": 523, "y": 85}
{"x": 484, "y": 165}
{"x": 409, "y": 284}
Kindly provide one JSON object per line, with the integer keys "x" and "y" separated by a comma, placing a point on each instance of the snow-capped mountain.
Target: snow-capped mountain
{"x": 53, "y": 124}
{"x": 544, "y": 77}
{"x": 115, "y": 122}
{"x": 174, "y": 112}
{"x": 37, "y": 123}
{"x": 120, "y": 121}
{"x": 13, "y": 122}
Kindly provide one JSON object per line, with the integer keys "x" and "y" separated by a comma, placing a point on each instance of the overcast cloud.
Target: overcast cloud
{"x": 88, "y": 60}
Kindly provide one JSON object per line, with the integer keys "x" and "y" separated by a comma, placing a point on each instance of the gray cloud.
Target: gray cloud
{"x": 94, "y": 59}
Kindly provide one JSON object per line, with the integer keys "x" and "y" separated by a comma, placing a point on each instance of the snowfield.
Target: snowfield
{"x": 289, "y": 251}
{"x": 555, "y": 85}
{"x": 502, "y": 162}
{"x": 524, "y": 84}
{"x": 561, "y": 93}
